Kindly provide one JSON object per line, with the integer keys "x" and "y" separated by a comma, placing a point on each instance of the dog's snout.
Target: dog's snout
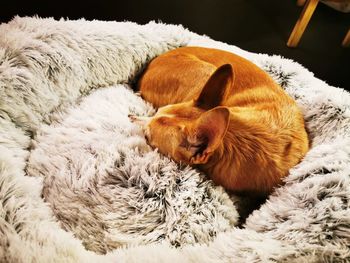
{"x": 140, "y": 120}
{"x": 132, "y": 117}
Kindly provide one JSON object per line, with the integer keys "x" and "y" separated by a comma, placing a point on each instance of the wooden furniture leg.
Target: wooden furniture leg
{"x": 346, "y": 41}
{"x": 302, "y": 22}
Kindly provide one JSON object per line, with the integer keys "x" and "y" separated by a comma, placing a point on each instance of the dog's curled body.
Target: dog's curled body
{"x": 223, "y": 114}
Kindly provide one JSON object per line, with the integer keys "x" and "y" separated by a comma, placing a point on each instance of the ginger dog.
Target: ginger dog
{"x": 224, "y": 115}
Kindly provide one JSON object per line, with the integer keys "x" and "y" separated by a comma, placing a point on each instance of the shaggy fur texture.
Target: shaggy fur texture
{"x": 95, "y": 185}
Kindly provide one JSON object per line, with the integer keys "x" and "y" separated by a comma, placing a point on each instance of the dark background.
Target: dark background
{"x": 261, "y": 26}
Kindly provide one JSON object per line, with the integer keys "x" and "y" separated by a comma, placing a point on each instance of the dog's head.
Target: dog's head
{"x": 191, "y": 131}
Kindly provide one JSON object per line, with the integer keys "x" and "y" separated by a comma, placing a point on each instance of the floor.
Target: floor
{"x": 254, "y": 25}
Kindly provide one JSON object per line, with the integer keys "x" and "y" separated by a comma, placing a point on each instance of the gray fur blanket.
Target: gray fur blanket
{"x": 78, "y": 183}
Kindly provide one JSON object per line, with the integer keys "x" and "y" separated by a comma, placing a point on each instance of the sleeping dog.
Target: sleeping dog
{"x": 224, "y": 115}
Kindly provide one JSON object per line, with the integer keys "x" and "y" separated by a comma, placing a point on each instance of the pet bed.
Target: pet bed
{"x": 78, "y": 183}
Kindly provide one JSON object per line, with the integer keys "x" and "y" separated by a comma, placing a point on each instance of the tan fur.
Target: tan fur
{"x": 223, "y": 114}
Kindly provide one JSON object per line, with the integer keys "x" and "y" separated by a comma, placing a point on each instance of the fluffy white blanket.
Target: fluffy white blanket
{"x": 78, "y": 183}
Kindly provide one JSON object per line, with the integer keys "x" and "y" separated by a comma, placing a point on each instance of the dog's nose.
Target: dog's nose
{"x": 140, "y": 120}
{"x": 132, "y": 117}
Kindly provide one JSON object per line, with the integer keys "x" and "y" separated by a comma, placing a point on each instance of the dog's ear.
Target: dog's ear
{"x": 207, "y": 133}
{"x": 216, "y": 88}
